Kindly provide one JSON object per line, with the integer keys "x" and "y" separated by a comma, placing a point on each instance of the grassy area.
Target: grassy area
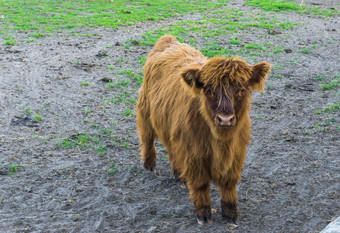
{"x": 334, "y": 83}
{"x": 57, "y": 15}
{"x": 219, "y": 26}
{"x": 291, "y": 5}
{"x": 98, "y": 141}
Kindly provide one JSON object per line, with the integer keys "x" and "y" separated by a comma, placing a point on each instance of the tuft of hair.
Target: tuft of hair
{"x": 219, "y": 70}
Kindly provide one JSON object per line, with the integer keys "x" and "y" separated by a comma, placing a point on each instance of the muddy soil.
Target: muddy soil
{"x": 290, "y": 180}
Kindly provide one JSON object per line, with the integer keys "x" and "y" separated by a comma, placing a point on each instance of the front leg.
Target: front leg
{"x": 200, "y": 195}
{"x": 229, "y": 198}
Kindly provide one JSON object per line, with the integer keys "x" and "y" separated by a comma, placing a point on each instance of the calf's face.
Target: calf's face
{"x": 224, "y": 103}
{"x": 225, "y": 86}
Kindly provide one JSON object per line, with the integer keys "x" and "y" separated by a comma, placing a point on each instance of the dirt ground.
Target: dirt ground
{"x": 290, "y": 180}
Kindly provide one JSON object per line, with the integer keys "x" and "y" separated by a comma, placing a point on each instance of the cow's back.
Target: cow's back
{"x": 167, "y": 58}
{"x": 169, "y": 102}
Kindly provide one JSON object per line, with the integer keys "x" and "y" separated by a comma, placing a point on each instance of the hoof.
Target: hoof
{"x": 150, "y": 165}
{"x": 150, "y": 169}
{"x": 203, "y": 215}
{"x": 203, "y": 221}
{"x": 178, "y": 177}
{"x": 230, "y": 220}
{"x": 229, "y": 211}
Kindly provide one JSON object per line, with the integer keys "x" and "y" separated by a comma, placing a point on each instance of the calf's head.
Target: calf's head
{"x": 225, "y": 87}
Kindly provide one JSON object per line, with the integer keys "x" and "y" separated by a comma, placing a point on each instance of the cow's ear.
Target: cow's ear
{"x": 260, "y": 72}
{"x": 191, "y": 76}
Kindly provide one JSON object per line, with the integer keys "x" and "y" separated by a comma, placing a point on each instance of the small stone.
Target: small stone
{"x": 151, "y": 229}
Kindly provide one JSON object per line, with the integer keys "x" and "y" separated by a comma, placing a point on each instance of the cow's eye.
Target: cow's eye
{"x": 241, "y": 92}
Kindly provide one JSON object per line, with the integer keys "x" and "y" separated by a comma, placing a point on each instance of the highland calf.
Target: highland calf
{"x": 199, "y": 109}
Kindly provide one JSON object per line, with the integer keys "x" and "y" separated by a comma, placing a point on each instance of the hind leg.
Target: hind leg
{"x": 146, "y": 139}
{"x": 174, "y": 168}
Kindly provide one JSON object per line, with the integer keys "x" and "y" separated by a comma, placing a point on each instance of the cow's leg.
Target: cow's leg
{"x": 229, "y": 196}
{"x": 227, "y": 185}
{"x": 146, "y": 139}
{"x": 177, "y": 174}
{"x": 200, "y": 195}
{"x": 175, "y": 170}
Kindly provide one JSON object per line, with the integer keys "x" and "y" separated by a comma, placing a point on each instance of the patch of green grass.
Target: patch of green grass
{"x": 332, "y": 84}
{"x": 278, "y": 67}
{"x": 113, "y": 170}
{"x": 133, "y": 101}
{"x": 330, "y": 120}
{"x": 83, "y": 35}
{"x": 138, "y": 77}
{"x": 128, "y": 112}
{"x": 37, "y": 35}
{"x": 126, "y": 145}
{"x": 305, "y": 51}
{"x": 329, "y": 109}
{"x": 8, "y": 42}
{"x": 321, "y": 77}
{"x": 120, "y": 60}
{"x": 278, "y": 50}
{"x": 254, "y": 46}
{"x": 98, "y": 141}
{"x": 100, "y": 149}
{"x": 37, "y": 117}
{"x": 107, "y": 131}
{"x": 84, "y": 141}
{"x": 234, "y": 41}
{"x": 212, "y": 49}
{"x": 293, "y": 61}
{"x": 58, "y": 15}
{"x": 291, "y": 5}
{"x": 214, "y": 27}
{"x": 275, "y": 5}
{"x": 30, "y": 40}
{"x": 119, "y": 98}
{"x": 110, "y": 172}
{"x": 87, "y": 111}
{"x": 82, "y": 83}
{"x": 95, "y": 126}
{"x": 26, "y": 111}
{"x": 278, "y": 76}
{"x": 142, "y": 60}
{"x": 119, "y": 83}
{"x": 13, "y": 168}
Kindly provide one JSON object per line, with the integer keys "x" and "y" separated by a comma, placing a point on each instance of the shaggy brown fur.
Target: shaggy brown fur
{"x": 198, "y": 108}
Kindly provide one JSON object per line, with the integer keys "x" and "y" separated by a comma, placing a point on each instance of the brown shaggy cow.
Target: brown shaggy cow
{"x": 198, "y": 108}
